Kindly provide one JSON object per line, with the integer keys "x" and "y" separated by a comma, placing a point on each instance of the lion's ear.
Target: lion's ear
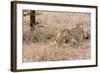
{"x": 86, "y": 35}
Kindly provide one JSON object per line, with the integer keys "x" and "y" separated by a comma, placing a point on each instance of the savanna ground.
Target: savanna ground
{"x": 47, "y": 42}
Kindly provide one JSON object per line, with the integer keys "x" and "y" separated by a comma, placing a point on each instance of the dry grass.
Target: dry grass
{"x": 41, "y": 44}
{"x": 41, "y": 52}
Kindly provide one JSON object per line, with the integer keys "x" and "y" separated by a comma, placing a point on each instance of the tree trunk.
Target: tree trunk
{"x": 32, "y": 19}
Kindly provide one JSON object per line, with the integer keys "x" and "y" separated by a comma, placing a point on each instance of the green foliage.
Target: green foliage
{"x": 36, "y": 14}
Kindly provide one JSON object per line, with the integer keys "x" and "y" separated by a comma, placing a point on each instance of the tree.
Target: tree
{"x": 32, "y": 19}
{"x": 33, "y": 15}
